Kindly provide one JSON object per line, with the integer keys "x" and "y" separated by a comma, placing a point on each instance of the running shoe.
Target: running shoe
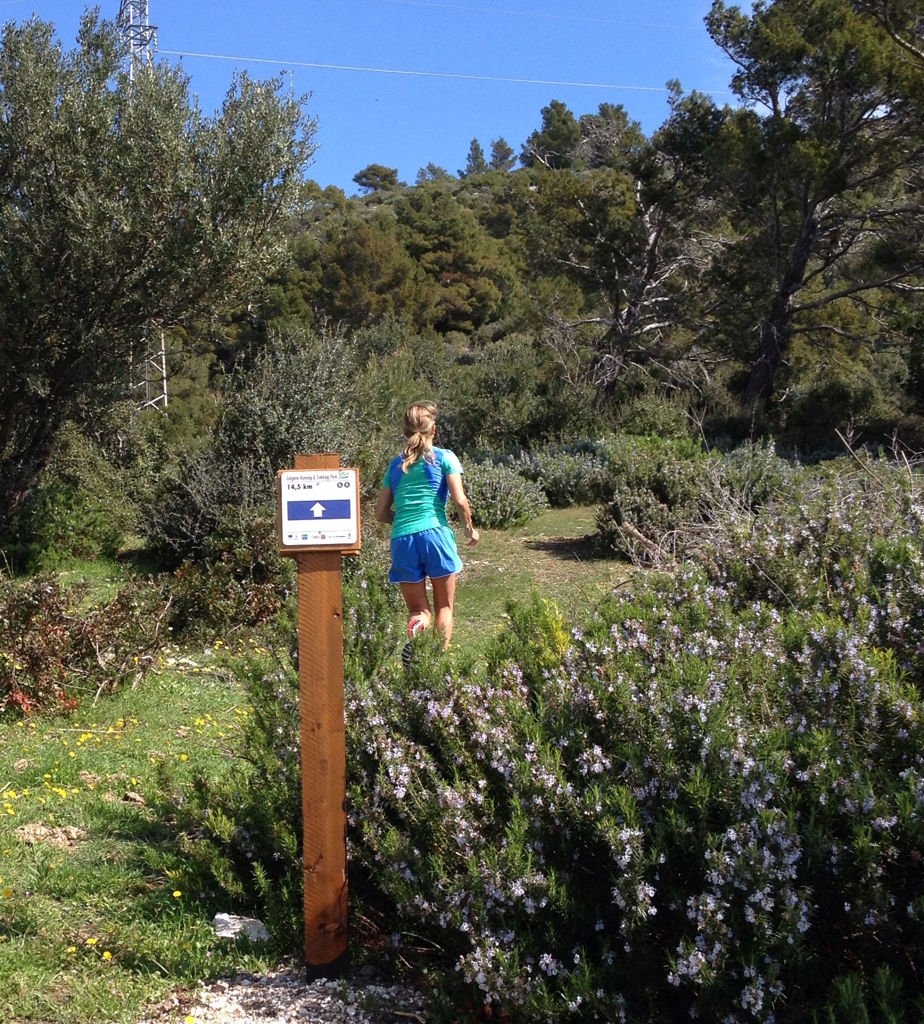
{"x": 415, "y": 625}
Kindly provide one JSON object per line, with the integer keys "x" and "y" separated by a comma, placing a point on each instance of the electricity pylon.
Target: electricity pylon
{"x": 139, "y": 33}
{"x": 141, "y": 37}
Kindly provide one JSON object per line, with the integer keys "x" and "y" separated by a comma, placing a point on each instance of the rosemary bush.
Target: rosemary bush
{"x": 501, "y": 497}
{"x": 705, "y": 801}
{"x": 684, "y": 808}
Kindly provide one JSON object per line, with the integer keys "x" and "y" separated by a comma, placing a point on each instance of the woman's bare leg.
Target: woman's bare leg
{"x": 444, "y": 594}
{"x": 417, "y": 601}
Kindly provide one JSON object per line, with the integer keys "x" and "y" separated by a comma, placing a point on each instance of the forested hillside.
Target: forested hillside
{"x": 746, "y": 270}
{"x": 758, "y": 263}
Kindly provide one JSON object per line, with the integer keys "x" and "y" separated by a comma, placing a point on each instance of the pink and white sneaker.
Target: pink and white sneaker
{"x": 415, "y": 625}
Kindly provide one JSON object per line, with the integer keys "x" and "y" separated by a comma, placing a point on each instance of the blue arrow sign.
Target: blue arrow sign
{"x": 323, "y": 509}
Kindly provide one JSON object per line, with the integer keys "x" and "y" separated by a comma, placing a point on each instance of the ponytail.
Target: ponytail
{"x": 419, "y": 424}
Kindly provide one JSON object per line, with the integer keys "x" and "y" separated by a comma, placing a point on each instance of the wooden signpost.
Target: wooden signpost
{"x": 318, "y": 523}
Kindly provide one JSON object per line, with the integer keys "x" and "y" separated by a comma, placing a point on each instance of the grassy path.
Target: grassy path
{"x": 549, "y": 556}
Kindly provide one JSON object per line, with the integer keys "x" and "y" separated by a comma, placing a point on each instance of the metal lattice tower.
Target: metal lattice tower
{"x": 139, "y": 33}
{"x": 141, "y": 37}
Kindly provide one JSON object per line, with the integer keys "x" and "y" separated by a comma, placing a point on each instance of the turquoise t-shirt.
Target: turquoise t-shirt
{"x": 421, "y": 493}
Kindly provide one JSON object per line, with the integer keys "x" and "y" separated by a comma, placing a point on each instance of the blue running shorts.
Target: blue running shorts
{"x": 429, "y": 553}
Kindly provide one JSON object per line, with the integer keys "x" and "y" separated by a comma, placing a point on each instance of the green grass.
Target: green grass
{"x": 549, "y": 556}
{"x": 95, "y": 928}
{"x": 110, "y": 922}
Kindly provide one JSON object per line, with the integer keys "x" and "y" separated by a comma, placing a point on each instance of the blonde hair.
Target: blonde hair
{"x": 419, "y": 424}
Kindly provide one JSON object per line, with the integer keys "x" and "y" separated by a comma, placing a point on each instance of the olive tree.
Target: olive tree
{"x": 122, "y": 209}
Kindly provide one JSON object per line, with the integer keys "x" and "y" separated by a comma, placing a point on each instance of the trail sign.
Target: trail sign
{"x": 318, "y": 510}
{"x": 318, "y": 524}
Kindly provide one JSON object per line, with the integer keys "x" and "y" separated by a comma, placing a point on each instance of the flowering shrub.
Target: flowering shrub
{"x": 54, "y": 649}
{"x": 706, "y": 801}
{"x": 687, "y": 809}
{"x": 501, "y": 497}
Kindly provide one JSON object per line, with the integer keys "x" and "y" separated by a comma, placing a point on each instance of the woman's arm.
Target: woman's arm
{"x": 457, "y": 493}
{"x": 385, "y": 506}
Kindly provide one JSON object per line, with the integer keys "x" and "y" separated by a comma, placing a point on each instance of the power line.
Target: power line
{"x": 532, "y": 14}
{"x": 415, "y": 74}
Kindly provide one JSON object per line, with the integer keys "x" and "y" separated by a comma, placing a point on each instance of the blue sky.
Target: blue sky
{"x": 405, "y": 83}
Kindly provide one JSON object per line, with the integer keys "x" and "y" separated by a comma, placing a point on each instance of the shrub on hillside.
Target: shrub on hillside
{"x": 79, "y": 510}
{"x": 507, "y": 391}
{"x": 295, "y": 398}
{"x": 655, "y": 489}
{"x": 54, "y": 649}
{"x": 500, "y": 496}
{"x": 849, "y": 546}
{"x": 670, "y": 498}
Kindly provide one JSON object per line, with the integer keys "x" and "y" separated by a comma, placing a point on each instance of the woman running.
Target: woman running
{"x": 423, "y": 546}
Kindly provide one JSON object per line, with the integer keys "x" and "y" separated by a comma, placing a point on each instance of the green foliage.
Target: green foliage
{"x": 554, "y": 144}
{"x": 475, "y": 162}
{"x": 660, "y": 263}
{"x": 503, "y": 157}
{"x": 247, "y": 825}
{"x": 656, "y": 488}
{"x": 79, "y": 510}
{"x": 55, "y": 649}
{"x": 368, "y": 275}
{"x": 654, "y": 415}
{"x": 500, "y": 496}
{"x": 469, "y": 274}
{"x": 377, "y": 178}
{"x": 509, "y": 392}
{"x": 95, "y": 247}
{"x": 833, "y": 151}
{"x": 861, "y": 999}
{"x": 822, "y": 530}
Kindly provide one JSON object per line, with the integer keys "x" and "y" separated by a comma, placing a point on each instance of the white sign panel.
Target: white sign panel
{"x": 318, "y": 507}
